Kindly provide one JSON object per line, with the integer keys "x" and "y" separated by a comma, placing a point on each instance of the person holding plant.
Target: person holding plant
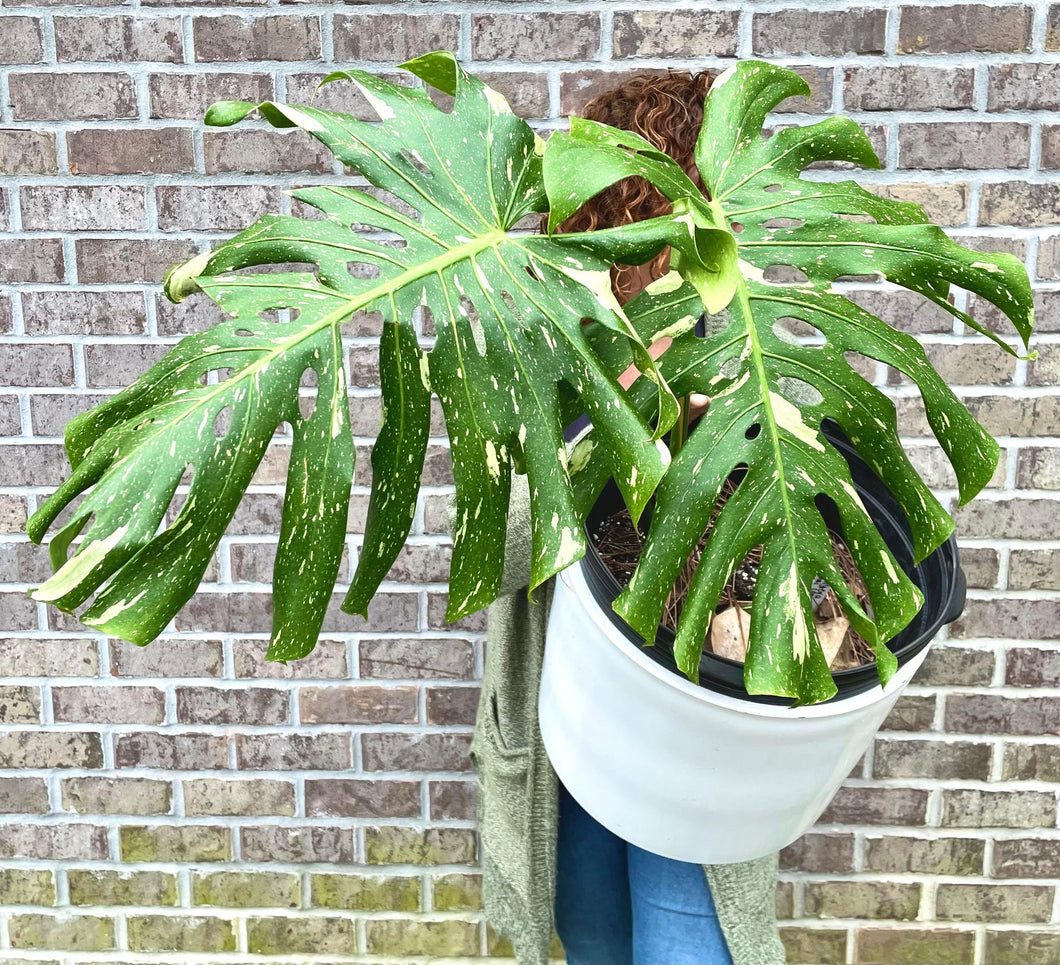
{"x": 474, "y": 173}
{"x": 609, "y": 901}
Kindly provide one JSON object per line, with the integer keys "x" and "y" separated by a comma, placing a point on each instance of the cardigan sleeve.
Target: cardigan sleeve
{"x": 517, "y": 544}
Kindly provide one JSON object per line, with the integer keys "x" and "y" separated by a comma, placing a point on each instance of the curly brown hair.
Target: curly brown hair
{"x": 667, "y": 110}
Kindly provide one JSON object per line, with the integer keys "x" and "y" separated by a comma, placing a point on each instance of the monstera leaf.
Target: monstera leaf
{"x": 508, "y": 358}
{"x": 770, "y": 391}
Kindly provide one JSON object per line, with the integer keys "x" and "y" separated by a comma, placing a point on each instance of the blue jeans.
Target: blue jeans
{"x": 617, "y": 904}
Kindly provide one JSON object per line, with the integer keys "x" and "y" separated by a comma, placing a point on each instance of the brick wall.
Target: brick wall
{"x": 191, "y": 803}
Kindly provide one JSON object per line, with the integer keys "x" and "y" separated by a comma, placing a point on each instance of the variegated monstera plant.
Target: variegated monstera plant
{"x": 512, "y": 363}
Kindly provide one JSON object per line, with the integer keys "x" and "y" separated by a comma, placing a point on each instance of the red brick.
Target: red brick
{"x": 104, "y": 207}
{"x": 394, "y": 37}
{"x": 962, "y": 28}
{"x": 453, "y": 799}
{"x": 1027, "y": 858}
{"x": 675, "y": 33}
{"x": 207, "y": 796}
{"x": 117, "y": 260}
{"x": 1020, "y": 204}
{"x": 362, "y": 798}
{"x": 997, "y": 714}
{"x": 265, "y": 151}
{"x": 535, "y": 36}
{"x": 37, "y": 363}
{"x": 300, "y": 752}
{"x": 277, "y": 37}
{"x": 20, "y": 40}
{"x": 819, "y": 32}
{"x": 187, "y": 96}
{"x": 211, "y": 208}
{"x": 67, "y": 312}
{"x": 247, "y": 705}
{"x": 361, "y": 704}
{"x": 69, "y": 96}
{"x": 117, "y": 795}
{"x": 119, "y": 363}
{"x": 27, "y": 152}
{"x": 452, "y": 705}
{"x": 55, "y": 842}
{"x": 303, "y": 844}
{"x": 833, "y": 853}
{"x": 1022, "y": 86}
{"x": 155, "y": 151}
{"x": 877, "y": 805}
{"x": 170, "y": 658}
{"x": 31, "y": 260}
{"x": 109, "y": 705}
{"x": 415, "y": 752}
{"x": 908, "y": 87}
{"x": 909, "y": 946}
{"x": 168, "y": 752}
{"x": 1032, "y": 667}
{"x": 123, "y": 39}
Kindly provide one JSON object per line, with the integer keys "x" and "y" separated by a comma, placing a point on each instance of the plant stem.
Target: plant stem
{"x": 679, "y": 431}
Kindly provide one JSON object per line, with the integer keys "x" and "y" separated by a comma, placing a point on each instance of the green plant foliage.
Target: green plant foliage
{"x": 507, "y": 308}
{"x": 512, "y": 363}
{"x": 770, "y": 394}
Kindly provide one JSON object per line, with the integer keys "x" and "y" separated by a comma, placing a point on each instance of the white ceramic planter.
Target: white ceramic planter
{"x": 678, "y": 769}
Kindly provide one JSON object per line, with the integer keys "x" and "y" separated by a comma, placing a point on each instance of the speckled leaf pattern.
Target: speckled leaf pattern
{"x": 771, "y": 391}
{"x": 436, "y": 230}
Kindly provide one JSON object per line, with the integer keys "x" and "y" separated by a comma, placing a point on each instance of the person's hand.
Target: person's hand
{"x": 697, "y": 405}
{"x": 697, "y": 401}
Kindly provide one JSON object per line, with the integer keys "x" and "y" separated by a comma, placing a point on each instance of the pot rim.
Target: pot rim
{"x": 574, "y": 577}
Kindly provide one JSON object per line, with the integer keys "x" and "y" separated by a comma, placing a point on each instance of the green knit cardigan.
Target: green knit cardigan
{"x": 518, "y": 809}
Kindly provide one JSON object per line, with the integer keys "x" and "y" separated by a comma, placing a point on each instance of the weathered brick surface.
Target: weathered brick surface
{"x": 152, "y": 797}
{"x": 962, "y": 28}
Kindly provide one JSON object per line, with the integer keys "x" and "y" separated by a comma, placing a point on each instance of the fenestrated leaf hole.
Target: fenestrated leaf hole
{"x": 443, "y": 101}
{"x": 771, "y": 188}
{"x": 215, "y": 376}
{"x": 383, "y": 196}
{"x": 736, "y": 227}
{"x": 783, "y": 223}
{"x": 730, "y": 368}
{"x": 280, "y": 315}
{"x": 470, "y": 312}
{"x": 854, "y": 650}
{"x": 362, "y": 269}
{"x": 785, "y": 275}
{"x": 416, "y": 160}
{"x": 222, "y": 422}
{"x": 509, "y": 302}
{"x": 862, "y": 364}
{"x": 243, "y": 333}
{"x": 791, "y": 329}
{"x": 531, "y": 272}
{"x": 798, "y": 392}
{"x": 423, "y": 319}
{"x": 753, "y": 430}
{"x": 307, "y": 392}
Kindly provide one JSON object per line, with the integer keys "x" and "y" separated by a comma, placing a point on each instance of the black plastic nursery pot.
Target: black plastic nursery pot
{"x": 939, "y": 577}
